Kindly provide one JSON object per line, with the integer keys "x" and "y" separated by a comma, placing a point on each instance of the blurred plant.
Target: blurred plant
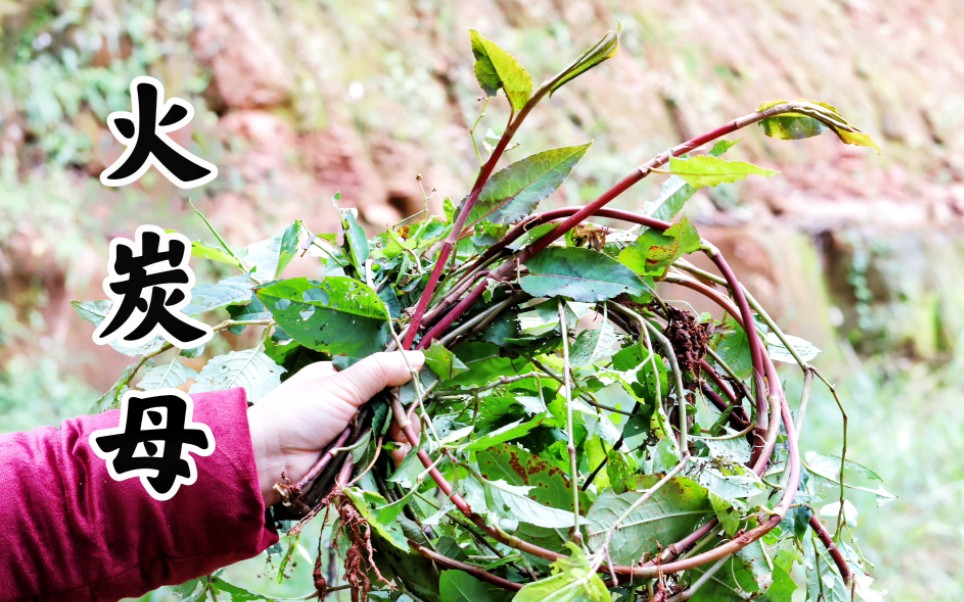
{"x": 581, "y": 437}
{"x": 70, "y": 61}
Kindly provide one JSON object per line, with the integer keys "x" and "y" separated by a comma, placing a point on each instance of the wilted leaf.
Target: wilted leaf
{"x": 653, "y": 251}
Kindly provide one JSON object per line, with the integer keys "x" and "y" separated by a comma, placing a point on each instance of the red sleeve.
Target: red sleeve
{"x": 68, "y": 531}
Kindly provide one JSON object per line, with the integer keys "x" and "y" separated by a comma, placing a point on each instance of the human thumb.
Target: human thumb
{"x": 362, "y": 381}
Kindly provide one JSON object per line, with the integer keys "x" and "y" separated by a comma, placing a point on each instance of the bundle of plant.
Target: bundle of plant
{"x": 576, "y": 435}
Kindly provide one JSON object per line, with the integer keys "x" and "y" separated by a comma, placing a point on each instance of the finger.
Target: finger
{"x": 395, "y": 432}
{"x": 363, "y": 380}
{"x": 314, "y": 371}
{"x": 398, "y": 454}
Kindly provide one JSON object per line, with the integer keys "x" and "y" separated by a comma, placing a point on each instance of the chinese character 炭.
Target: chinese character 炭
{"x": 154, "y": 441}
{"x": 144, "y": 131}
{"x": 148, "y": 287}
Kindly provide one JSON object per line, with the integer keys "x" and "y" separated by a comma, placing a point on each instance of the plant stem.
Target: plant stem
{"x": 570, "y": 429}
{"x": 463, "y": 215}
{"x": 468, "y": 568}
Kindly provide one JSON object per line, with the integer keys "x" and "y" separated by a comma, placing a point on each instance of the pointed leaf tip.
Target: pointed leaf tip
{"x": 707, "y": 170}
{"x": 601, "y": 51}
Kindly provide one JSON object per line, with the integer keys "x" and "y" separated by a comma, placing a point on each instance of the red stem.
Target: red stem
{"x": 832, "y": 548}
{"x": 468, "y": 568}
{"x": 456, "y": 233}
{"x": 761, "y": 361}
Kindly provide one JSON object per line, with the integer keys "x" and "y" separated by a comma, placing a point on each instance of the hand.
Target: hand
{"x": 292, "y": 425}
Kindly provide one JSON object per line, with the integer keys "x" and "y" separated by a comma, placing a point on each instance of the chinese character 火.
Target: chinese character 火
{"x": 148, "y": 287}
{"x": 154, "y": 441}
{"x": 144, "y": 131}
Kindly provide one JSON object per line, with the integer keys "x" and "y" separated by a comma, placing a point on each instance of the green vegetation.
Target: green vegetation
{"x": 905, "y": 418}
{"x": 598, "y": 440}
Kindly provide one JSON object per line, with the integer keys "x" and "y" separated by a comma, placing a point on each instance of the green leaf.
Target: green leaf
{"x": 780, "y": 353}
{"x": 459, "y": 586}
{"x": 858, "y": 477}
{"x": 811, "y": 119}
{"x": 707, "y": 170}
{"x": 112, "y": 398}
{"x": 594, "y": 345}
{"x": 238, "y": 594}
{"x": 604, "y": 49}
{"x": 727, "y": 512}
{"x": 203, "y": 250}
{"x": 495, "y": 68}
{"x": 166, "y": 376}
{"x": 573, "y": 580}
{"x": 381, "y": 516}
{"x": 516, "y": 466}
{"x": 734, "y": 349}
{"x": 508, "y": 432}
{"x": 355, "y": 239}
{"x": 619, "y": 471}
{"x": 668, "y": 515}
{"x": 443, "y": 362}
{"x": 673, "y": 194}
{"x": 267, "y": 258}
{"x": 744, "y": 576}
{"x": 485, "y": 365}
{"x": 654, "y": 252}
{"x": 208, "y": 297}
{"x": 249, "y": 368}
{"x": 580, "y": 274}
{"x": 96, "y": 312}
{"x": 513, "y": 502}
{"x": 338, "y": 315}
{"x": 514, "y": 192}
